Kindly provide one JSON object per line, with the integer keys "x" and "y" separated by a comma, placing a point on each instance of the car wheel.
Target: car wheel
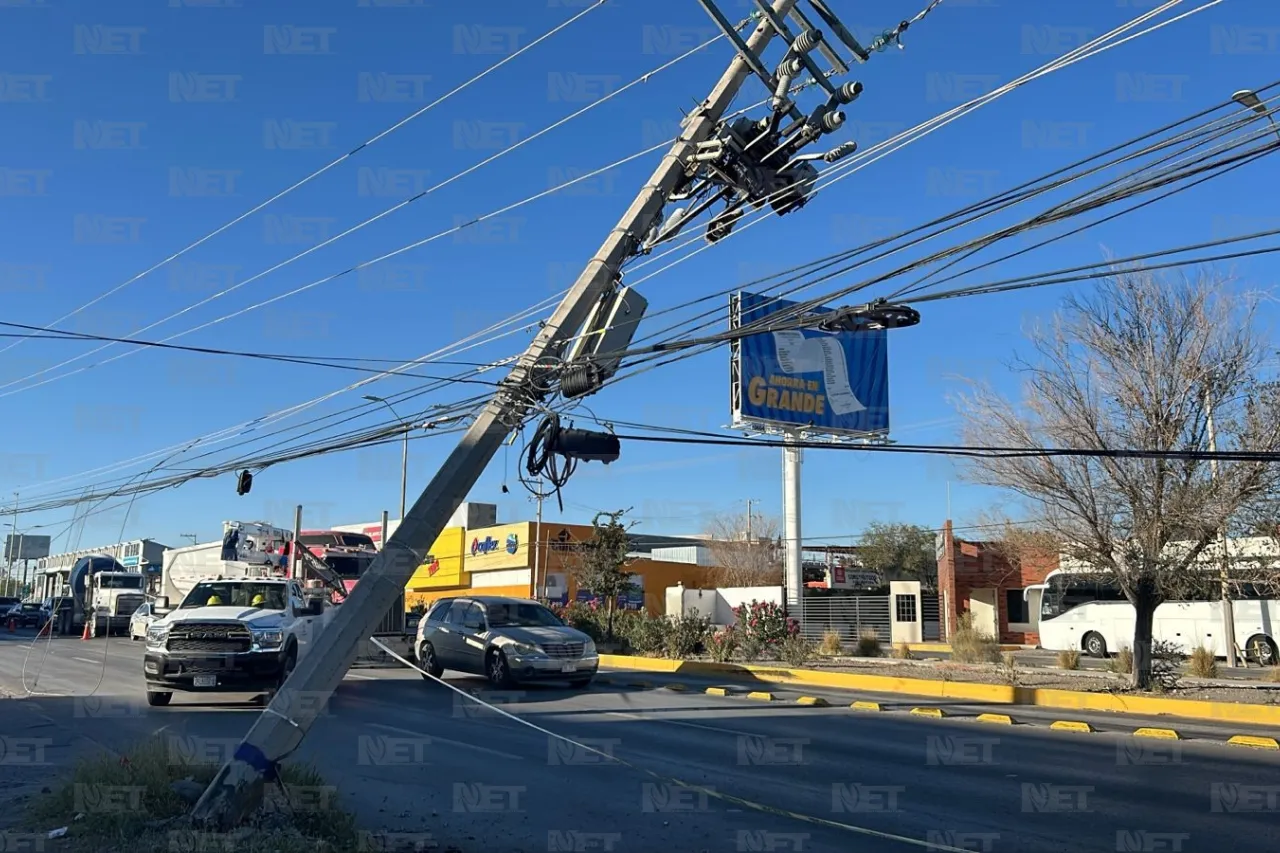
{"x": 158, "y": 698}
{"x": 427, "y": 660}
{"x": 498, "y": 671}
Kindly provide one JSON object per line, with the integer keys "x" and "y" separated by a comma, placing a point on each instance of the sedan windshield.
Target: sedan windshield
{"x": 521, "y": 616}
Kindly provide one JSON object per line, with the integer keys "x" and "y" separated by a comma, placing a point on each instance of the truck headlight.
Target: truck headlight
{"x": 526, "y": 649}
{"x": 267, "y": 639}
{"x": 156, "y": 636}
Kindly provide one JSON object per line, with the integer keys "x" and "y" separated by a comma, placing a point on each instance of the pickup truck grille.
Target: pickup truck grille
{"x": 196, "y": 637}
{"x": 563, "y": 650}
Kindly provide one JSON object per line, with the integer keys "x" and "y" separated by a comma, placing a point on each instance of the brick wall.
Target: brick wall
{"x": 964, "y": 566}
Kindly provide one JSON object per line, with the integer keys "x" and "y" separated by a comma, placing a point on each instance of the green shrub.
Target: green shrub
{"x": 722, "y": 644}
{"x": 751, "y": 648}
{"x": 969, "y": 645}
{"x": 796, "y": 650}
{"x": 766, "y": 623}
{"x": 647, "y": 635}
{"x": 686, "y": 635}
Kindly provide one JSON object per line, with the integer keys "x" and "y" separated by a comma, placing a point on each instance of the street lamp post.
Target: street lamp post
{"x": 404, "y": 455}
{"x": 1249, "y": 99}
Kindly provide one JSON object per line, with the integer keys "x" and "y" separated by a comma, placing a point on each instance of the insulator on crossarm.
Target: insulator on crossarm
{"x": 849, "y": 92}
{"x": 807, "y": 41}
{"x": 832, "y": 121}
{"x": 840, "y": 152}
{"x": 781, "y": 92}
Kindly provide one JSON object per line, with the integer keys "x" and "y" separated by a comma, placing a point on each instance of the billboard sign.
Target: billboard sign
{"x": 26, "y": 547}
{"x": 824, "y": 382}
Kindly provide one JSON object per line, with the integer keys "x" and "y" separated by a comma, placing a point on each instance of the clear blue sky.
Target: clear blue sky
{"x": 96, "y": 123}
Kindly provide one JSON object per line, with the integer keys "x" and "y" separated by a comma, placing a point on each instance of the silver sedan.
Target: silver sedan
{"x": 507, "y": 640}
{"x": 140, "y": 621}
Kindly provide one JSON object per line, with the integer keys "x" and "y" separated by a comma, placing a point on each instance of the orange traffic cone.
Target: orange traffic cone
{"x": 85, "y": 635}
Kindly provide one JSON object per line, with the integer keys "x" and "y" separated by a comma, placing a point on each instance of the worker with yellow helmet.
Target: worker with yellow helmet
{"x": 259, "y": 600}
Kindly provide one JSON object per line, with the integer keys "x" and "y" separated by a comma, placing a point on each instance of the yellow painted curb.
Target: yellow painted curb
{"x": 717, "y": 691}
{"x": 1147, "y": 706}
{"x": 760, "y": 695}
{"x": 678, "y": 688}
{"x": 813, "y": 701}
{"x": 1002, "y": 719}
{"x": 1255, "y": 742}
{"x": 1167, "y": 734}
{"x": 1071, "y": 726}
{"x": 866, "y": 706}
{"x": 928, "y": 712}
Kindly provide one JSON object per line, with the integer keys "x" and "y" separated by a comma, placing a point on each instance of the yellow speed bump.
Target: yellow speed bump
{"x": 1254, "y": 742}
{"x": 760, "y": 696}
{"x": 1167, "y": 734}
{"x": 813, "y": 701}
{"x": 866, "y": 706}
{"x": 1071, "y": 726}
{"x": 928, "y": 712}
{"x": 717, "y": 691}
{"x": 1002, "y": 719}
{"x": 678, "y": 688}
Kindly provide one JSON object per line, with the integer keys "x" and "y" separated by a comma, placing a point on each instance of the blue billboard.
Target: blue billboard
{"x": 833, "y": 382}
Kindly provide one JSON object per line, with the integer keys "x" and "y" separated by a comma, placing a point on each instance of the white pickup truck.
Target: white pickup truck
{"x": 231, "y": 635}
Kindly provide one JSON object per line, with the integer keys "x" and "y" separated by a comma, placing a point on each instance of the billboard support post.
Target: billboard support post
{"x": 791, "y": 462}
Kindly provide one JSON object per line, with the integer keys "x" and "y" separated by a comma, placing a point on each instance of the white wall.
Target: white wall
{"x": 718, "y": 604}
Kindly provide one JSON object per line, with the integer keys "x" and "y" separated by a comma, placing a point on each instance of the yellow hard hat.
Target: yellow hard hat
{"x": 213, "y": 601}
{"x": 258, "y": 600}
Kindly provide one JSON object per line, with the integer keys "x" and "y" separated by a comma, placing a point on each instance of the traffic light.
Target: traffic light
{"x": 245, "y": 483}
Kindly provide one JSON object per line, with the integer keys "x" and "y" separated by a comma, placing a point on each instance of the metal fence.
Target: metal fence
{"x": 849, "y": 615}
{"x": 931, "y": 627}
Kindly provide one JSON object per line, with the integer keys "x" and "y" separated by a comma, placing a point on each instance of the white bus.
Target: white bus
{"x": 1081, "y": 610}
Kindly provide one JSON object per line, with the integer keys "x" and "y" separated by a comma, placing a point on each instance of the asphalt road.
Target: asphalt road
{"x": 419, "y": 760}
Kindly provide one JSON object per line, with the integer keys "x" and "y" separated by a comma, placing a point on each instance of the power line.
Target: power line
{"x": 297, "y": 185}
{"x": 331, "y": 240}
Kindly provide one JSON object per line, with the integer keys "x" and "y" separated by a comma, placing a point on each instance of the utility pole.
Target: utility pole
{"x": 791, "y": 461}
{"x": 1228, "y": 607}
{"x": 404, "y": 452}
{"x": 14, "y": 536}
{"x": 537, "y": 548}
{"x": 295, "y": 559}
{"x": 237, "y": 788}
{"x": 750, "y": 501}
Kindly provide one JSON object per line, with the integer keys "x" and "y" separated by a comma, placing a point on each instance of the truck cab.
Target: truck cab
{"x": 231, "y": 635}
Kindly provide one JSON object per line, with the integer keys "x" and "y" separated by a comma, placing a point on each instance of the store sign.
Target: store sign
{"x": 483, "y": 546}
{"x": 513, "y": 543}
{"x": 562, "y": 541}
{"x": 433, "y": 566}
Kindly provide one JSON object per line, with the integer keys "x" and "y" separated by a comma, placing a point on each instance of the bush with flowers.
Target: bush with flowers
{"x": 764, "y": 627}
{"x": 722, "y": 645}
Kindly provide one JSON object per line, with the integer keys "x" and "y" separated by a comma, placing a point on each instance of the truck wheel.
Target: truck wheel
{"x": 158, "y": 699}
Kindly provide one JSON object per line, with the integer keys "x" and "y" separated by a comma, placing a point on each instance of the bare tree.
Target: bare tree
{"x": 742, "y": 558}
{"x": 1139, "y": 364}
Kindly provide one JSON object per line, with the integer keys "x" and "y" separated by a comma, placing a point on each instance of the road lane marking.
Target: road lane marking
{"x": 709, "y": 792}
{"x": 361, "y": 677}
{"x": 87, "y": 660}
{"x": 684, "y": 724}
{"x": 451, "y": 742}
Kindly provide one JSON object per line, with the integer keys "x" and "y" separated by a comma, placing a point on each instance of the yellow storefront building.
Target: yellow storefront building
{"x": 527, "y": 560}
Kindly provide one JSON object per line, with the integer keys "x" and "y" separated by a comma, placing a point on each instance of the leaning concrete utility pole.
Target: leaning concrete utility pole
{"x": 237, "y": 788}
